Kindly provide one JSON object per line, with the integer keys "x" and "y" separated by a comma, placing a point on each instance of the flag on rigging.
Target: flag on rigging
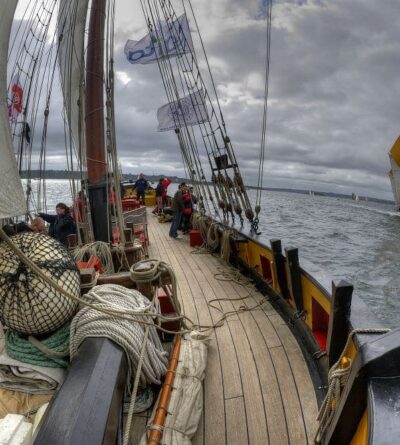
{"x": 168, "y": 39}
{"x": 15, "y": 99}
{"x": 188, "y": 111}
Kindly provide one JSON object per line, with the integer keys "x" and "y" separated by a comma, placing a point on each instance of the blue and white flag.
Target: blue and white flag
{"x": 188, "y": 111}
{"x": 169, "y": 39}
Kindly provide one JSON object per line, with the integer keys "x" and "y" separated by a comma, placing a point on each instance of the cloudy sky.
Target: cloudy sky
{"x": 334, "y": 97}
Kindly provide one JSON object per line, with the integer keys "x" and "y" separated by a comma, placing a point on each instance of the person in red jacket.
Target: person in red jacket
{"x": 187, "y": 209}
{"x": 165, "y": 183}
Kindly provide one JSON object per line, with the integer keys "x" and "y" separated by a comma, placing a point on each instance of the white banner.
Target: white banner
{"x": 170, "y": 39}
{"x": 190, "y": 110}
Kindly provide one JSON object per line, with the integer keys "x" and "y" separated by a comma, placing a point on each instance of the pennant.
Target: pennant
{"x": 186, "y": 112}
{"x": 169, "y": 40}
{"x": 15, "y": 99}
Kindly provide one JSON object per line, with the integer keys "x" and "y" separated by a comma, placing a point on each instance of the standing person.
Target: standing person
{"x": 165, "y": 183}
{"x": 141, "y": 185}
{"x": 77, "y": 209}
{"x": 177, "y": 211}
{"x": 159, "y": 197}
{"x": 187, "y": 209}
{"x": 61, "y": 224}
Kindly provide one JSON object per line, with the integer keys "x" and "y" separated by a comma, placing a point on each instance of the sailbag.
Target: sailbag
{"x": 394, "y": 173}
{"x": 12, "y": 202}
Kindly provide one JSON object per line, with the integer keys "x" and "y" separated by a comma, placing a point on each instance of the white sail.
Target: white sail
{"x": 12, "y": 202}
{"x": 71, "y": 25}
{"x": 394, "y": 176}
{"x": 394, "y": 173}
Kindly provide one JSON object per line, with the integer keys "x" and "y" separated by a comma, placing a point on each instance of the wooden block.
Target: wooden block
{"x": 120, "y": 278}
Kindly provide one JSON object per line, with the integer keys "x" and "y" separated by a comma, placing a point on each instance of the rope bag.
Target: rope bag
{"x": 28, "y": 304}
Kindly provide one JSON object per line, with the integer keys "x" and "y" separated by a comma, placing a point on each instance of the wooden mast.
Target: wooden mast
{"x": 94, "y": 120}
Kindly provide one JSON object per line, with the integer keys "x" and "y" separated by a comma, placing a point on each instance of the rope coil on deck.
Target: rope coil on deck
{"x": 337, "y": 379}
{"x": 89, "y": 322}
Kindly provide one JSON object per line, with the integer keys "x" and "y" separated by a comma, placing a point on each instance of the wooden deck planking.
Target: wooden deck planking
{"x": 257, "y": 387}
{"x": 252, "y": 390}
{"x": 236, "y": 431}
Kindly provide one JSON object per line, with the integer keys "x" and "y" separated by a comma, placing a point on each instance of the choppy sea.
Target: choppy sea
{"x": 358, "y": 241}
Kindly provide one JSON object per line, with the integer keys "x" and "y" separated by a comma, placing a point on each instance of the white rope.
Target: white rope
{"x": 152, "y": 273}
{"x": 127, "y": 431}
{"x": 213, "y": 237}
{"x": 101, "y": 250}
{"x": 226, "y": 244}
{"x": 129, "y": 334}
{"x": 337, "y": 379}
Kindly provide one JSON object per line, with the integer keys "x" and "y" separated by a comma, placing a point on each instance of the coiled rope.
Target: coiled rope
{"x": 89, "y": 322}
{"x": 226, "y": 244}
{"x": 98, "y": 248}
{"x": 212, "y": 242}
{"x": 50, "y": 352}
{"x": 337, "y": 379}
{"x": 152, "y": 274}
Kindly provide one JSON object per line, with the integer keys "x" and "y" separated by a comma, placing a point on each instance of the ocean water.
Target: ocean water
{"x": 356, "y": 241}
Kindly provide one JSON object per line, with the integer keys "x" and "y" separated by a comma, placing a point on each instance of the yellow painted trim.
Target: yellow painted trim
{"x": 310, "y": 292}
{"x": 251, "y": 253}
{"x": 361, "y": 435}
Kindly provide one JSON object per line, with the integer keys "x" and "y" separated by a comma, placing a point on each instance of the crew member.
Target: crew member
{"x": 141, "y": 185}
{"x": 61, "y": 224}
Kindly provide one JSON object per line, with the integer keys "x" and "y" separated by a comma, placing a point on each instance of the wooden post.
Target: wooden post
{"x": 294, "y": 277}
{"x": 72, "y": 240}
{"x": 279, "y": 264}
{"x": 338, "y": 328}
{"x": 128, "y": 236}
{"x": 94, "y": 122}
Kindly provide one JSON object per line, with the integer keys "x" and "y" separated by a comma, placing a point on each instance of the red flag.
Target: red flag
{"x": 15, "y": 102}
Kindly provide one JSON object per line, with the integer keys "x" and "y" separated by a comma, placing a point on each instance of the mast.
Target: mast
{"x": 94, "y": 119}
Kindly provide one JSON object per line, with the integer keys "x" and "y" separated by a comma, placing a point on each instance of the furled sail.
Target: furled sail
{"x": 394, "y": 173}
{"x": 12, "y": 202}
{"x": 71, "y": 31}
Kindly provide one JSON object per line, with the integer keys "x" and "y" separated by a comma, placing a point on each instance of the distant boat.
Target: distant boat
{"x": 311, "y": 193}
{"x": 354, "y": 197}
{"x": 394, "y": 173}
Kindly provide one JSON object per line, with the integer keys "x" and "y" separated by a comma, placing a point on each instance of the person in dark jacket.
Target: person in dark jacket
{"x": 61, "y": 224}
{"x": 177, "y": 211}
{"x": 159, "y": 198}
{"x": 141, "y": 185}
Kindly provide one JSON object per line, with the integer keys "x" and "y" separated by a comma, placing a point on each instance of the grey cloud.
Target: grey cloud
{"x": 334, "y": 91}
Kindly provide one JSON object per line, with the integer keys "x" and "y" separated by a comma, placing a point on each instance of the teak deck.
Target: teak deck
{"x": 257, "y": 388}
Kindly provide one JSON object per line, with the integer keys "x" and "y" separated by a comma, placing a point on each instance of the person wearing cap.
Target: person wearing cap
{"x": 61, "y": 224}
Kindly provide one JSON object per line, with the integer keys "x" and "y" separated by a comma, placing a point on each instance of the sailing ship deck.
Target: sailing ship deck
{"x": 257, "y": 388}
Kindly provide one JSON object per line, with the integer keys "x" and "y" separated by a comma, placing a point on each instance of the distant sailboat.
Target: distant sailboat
{"x": 394, "y": 172}
{"x": 354, "y": 197}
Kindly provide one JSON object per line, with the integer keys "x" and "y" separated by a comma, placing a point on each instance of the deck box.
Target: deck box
{"x": 195, "y": 238}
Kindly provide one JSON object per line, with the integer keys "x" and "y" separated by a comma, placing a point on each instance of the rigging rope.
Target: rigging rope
{"x": 257, "y": 208}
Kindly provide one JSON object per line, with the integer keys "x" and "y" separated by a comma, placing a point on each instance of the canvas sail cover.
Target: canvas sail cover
{"x": 186, "y": 403}
{"x": 71, "y": 26}
{"x": 394, "y": 173}
{"x": 12, "y": 202}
